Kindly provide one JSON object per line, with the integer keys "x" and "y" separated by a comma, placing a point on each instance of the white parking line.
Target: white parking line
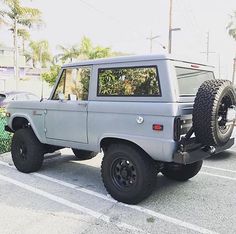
{"x": 219, "y": 176}
{"x": 219, "y": 169}
{"x": 67, "y": 203}
{"x": 135, "y": 207}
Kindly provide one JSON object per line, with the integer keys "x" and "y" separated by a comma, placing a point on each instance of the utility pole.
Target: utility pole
{"x": 16, "y": 67}
{"x": 151, "y": 38}
{"x": 41, "y": 61}
{"x": 219, "y": 65}
{"x": 234, "y": 68}
{"x": 207, "y": 52}
{"x": 170, "y": 27}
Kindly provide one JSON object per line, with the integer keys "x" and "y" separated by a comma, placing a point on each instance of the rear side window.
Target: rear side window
{"x": 130, "y": 81}
{"x": 189, "y": 80}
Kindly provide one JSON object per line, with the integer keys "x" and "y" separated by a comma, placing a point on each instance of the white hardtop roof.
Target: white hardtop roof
{"x": 132, "y": 58}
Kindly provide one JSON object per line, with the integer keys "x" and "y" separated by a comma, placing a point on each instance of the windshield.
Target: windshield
{"x": 189, "y": 80}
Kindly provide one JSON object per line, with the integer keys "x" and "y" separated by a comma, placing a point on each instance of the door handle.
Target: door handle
{"x": 83, "y": 104}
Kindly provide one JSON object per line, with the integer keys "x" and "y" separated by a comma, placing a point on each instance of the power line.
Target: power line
{"x": 192, "y": 23}
{"x": 234, "y": 69}
{"x": 171, "y": 29}
{"x": 208, "y": 52}
{"x": 117, "y": 20}
{"x": 151, "y": 38}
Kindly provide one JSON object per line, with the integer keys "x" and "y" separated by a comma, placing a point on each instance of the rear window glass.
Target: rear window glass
{"x": 189, "y": 80}
{"x": 128, "y": 81}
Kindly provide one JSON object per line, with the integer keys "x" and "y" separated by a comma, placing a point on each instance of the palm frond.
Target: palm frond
{"x": 231, "y": 27}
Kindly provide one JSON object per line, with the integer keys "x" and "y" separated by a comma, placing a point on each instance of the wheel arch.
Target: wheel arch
{"x": 21, "y": 121}
{"x": 106, "y": 141}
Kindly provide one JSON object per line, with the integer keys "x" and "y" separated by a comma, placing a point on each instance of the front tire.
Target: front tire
{"x": 181, "y": 172}
{"x": 27, "y": 152}
{"x": 128, "y": 173}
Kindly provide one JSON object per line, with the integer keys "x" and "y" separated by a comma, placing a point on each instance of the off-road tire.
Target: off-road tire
{"x": 141, "y": 171}
{"x": 27, "y": 152}
{"x": 210, "y": 105}
{"x": 83, "y": 154}
{"x": 181, "y": 172}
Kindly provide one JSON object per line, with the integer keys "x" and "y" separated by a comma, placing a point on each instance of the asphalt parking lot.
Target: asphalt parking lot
{"x": 67, "y": 196}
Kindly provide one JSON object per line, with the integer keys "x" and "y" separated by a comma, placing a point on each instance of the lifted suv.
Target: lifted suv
{"x": 148, "y": 114}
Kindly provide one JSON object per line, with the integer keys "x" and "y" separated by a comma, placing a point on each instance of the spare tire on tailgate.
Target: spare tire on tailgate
{"x": 210, "y": 109}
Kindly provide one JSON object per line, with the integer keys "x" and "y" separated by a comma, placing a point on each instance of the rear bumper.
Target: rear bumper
{"x": 199, "y": 153}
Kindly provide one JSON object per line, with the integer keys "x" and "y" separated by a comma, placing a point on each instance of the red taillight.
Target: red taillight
{"x": 157, "y": 127}
{"x": 177, "y": 128}
{"x": 195, "y": 66}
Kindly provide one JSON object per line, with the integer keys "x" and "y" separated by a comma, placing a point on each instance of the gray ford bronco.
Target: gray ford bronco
{"x": 147, "y": 114}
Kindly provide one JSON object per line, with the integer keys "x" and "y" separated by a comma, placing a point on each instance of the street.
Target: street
{"x": 68, "y": 196}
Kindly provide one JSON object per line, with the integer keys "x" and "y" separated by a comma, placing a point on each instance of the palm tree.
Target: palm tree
{"x": 232, "y": 26}
{"x": 100, "y": 52}
{"x": 40, "y": 53}
{"x": 25, "y": 36}
{"x": 14, "y": 15}
{"x": 85, "y": 50}
{"x": 2, "y": 21}
{"x": 68, "y": 53}
{"x": 88, "y": 51}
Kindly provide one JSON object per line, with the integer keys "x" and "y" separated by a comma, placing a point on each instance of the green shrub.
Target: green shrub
{"x": 5, "y": 137}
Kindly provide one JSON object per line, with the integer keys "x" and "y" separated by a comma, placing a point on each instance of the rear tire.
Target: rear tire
{"x": 83, "y": 154}
{"x": 128, "y": 173}
{"x": 27, "y": 152}
{"x": 181, "y": 172}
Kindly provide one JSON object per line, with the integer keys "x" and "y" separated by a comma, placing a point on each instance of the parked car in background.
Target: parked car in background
{"x": 7, "y": 97}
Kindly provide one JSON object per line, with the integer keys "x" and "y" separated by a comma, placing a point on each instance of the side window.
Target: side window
{"x": 73, "y": 84}
{"x": 130, "y": 81}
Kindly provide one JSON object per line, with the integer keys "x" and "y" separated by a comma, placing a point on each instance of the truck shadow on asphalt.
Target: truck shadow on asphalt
{"x": 226, "y": 155}
{"x": 87, "y": 174}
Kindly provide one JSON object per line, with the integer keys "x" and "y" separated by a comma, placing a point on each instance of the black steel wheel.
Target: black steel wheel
{"x": 128, "y": 173}
{"x": 123, "y": 173}
{"x": 27, "y": 152}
